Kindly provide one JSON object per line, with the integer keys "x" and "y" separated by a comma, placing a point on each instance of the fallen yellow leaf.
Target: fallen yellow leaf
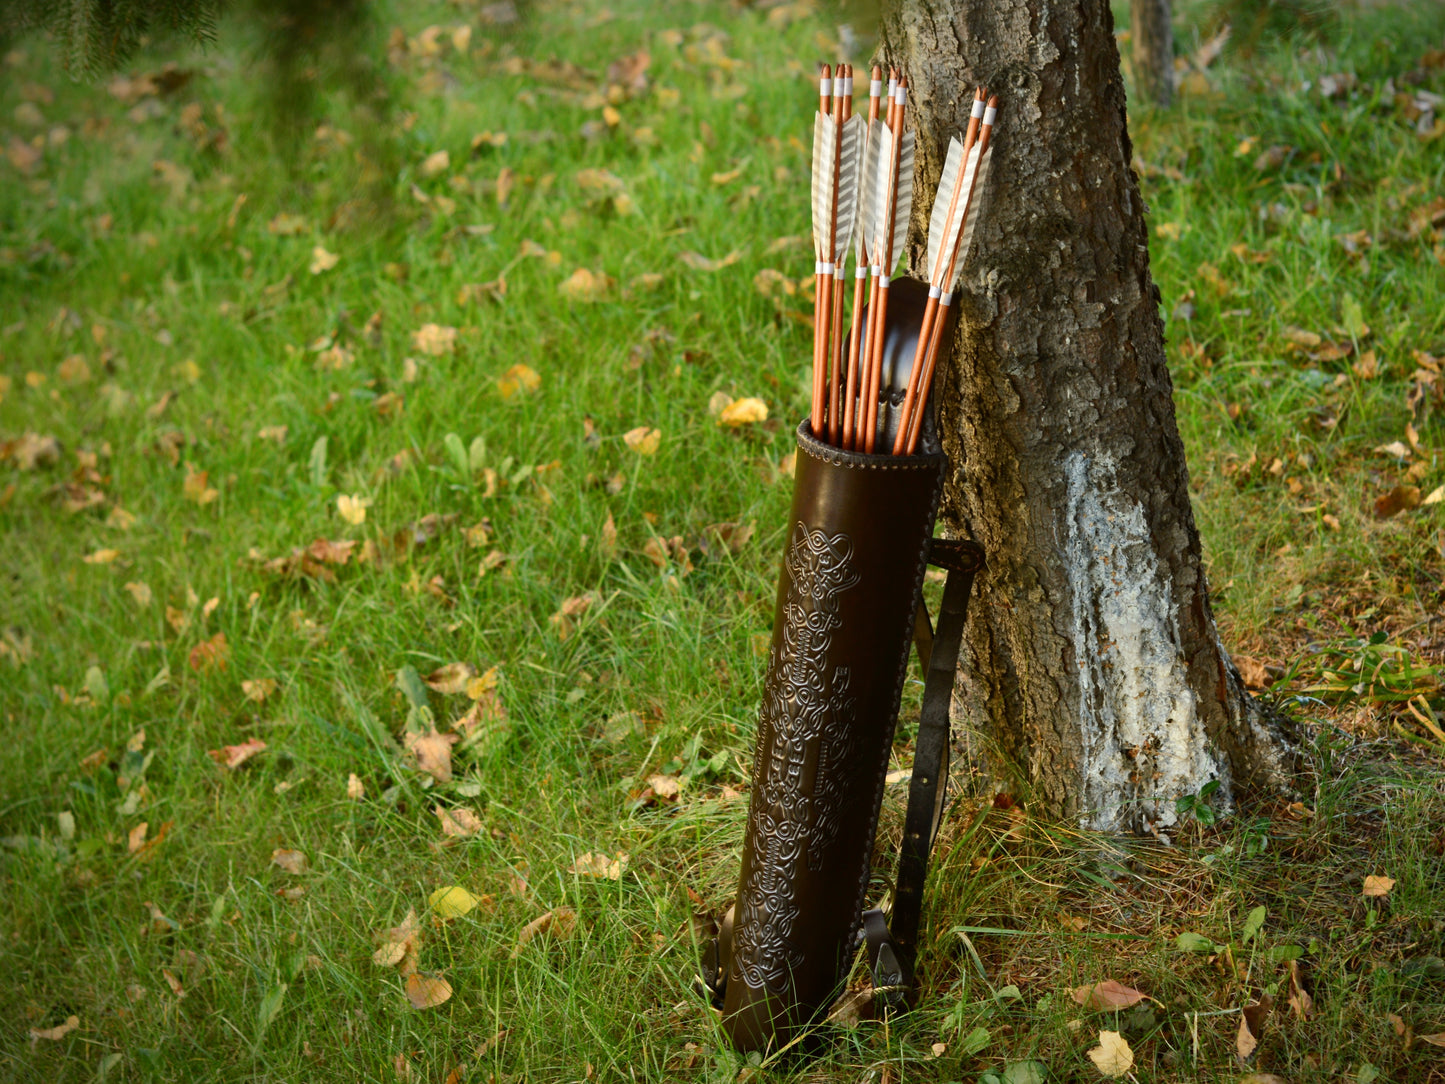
{"x": 259, "y": 689}
{"x": 585, "y": 285}
{"x": 434, "y": 339}
{"x": 451, "y": 902}
{"x": 101, "y": 557}
{"x": 321, "y": 260}
{"x": 1112, "y": 1056}
{"x": 1378, "y": 886}
{"x": 643, "y": 440}
{"x": 743, "y": 412}
{"x": 518, "y": 378}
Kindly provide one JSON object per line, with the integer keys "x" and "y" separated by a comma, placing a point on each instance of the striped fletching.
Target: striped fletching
{"x": 938, "y": 221}
{"x": 878, "y": 234}
{"x": 867, "y": 194}
{"x": 824, "y": 140}
{"x": 979, "y": 191}
{"x": 849, "y": 157}
{"x": 902, "y": 201}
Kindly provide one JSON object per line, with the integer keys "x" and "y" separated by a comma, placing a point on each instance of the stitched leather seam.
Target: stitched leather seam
{"x": 838, "y": 457}
{"x": 930, "y": 515}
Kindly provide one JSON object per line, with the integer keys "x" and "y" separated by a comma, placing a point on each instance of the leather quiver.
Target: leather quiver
{"x": 852, "y": 575}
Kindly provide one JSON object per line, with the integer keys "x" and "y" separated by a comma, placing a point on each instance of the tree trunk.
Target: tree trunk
{"x": 1092, "y": 661}
{"x": 1151, "y": 35}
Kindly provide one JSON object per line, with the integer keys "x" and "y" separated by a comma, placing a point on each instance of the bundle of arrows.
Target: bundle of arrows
{"x": 862, "y": 199}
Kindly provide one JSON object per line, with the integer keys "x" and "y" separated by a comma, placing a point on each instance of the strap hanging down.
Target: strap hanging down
{"x": 892, "y": 947}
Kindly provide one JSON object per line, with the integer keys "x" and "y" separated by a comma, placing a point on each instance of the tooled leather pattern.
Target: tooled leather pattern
{"x": 806, "y": 710}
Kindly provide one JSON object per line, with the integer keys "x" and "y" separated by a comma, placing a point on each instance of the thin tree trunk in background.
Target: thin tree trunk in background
{"x": 1092, "y": 659}
{"x": 1151, "y": 35}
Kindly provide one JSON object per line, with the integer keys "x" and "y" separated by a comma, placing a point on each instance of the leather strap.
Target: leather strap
{"x": 928, "y": 788}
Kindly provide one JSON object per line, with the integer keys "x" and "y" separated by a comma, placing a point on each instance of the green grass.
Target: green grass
{"x": 163, "y": 281}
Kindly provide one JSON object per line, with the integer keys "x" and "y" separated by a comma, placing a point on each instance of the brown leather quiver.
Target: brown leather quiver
{"x": 860, "y": 536}
{"x": 852, "y": 576}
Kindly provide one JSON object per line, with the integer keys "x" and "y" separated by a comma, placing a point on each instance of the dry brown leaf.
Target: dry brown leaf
{"x": 195, "y": 487}
{"x": 286, "y": 225}
{"x": 432, "y": 753}
{"x": 1298, "y": 998}
{"x": 355, "y": 789}
{"x": 1435, "y": 1039}
{"x": 665, "y": 786}
{"x": 585, "y": 285}
{"x": 426, "y": 991}
{"x": 557, "y": 923}
{"x": 1378, "y": 886}
{"x": 1252, "y": 671}
{"x": 400, "y": 944}
{"x": 1112, "y": 1056}
{"x": 1251, "y": 1026}
{"x": 852, "y": 1007}
{"x": 571, "y": 607}
{"x": 451, "y": 678}
{"x": 460, "y": 822}
{"x": 141, "y": 592}
{"x": 1399, "y": 499}
{"x": 436, "y": 162}
{"x": 136, "y": 838}
{"x": 699, "y": 262}
{"x": 600, "y": 865}
{"x": 232, "y": 757}
{"x": 60, "y": 1031}
{"x": 210, "y": 654}
{"x": 289, "y": 860}
{"x": 1245, "y": 1040}
{"x": 258, "y": 689}
{"x": 1106, "y": 995}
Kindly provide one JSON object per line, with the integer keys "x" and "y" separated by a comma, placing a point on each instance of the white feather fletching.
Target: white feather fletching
{"x": 849, "y": 157}
{"x": 867, "y": 193}
{"x": 965, "y": 193}
{"x": 902, "y": 202}
{"x": 878, "y": 234}
{"x": 824, "y": 141}
{"x": 938, "y": 221}
{"x": 975, "y": 212}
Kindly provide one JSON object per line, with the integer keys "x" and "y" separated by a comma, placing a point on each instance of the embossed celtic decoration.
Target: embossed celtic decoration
{"x": 806, "y": 719}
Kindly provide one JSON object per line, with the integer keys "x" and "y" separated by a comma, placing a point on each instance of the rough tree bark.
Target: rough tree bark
{"x": 1151, "y": 42}
{"x": 1092, "y": 659}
